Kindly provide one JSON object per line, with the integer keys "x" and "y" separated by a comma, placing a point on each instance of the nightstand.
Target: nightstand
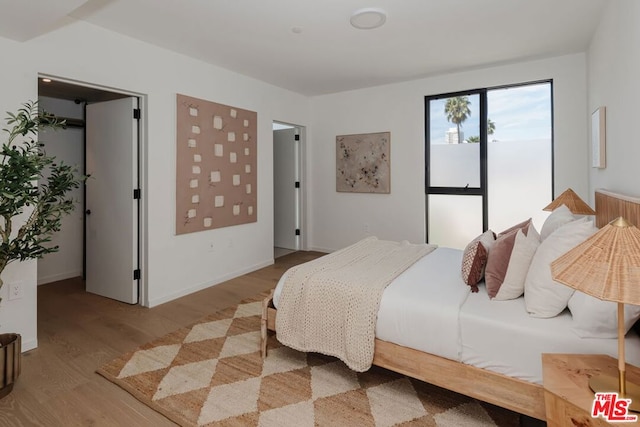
{"x": 567, "y": 396}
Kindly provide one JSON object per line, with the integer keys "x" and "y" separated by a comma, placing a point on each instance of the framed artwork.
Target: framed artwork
{"x": 216, "y": 183}
{"x": 598, "y": 138}
{"x": 363, "y": 164}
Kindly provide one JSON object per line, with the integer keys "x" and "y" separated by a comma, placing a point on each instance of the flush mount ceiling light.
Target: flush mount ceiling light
{"x": 368, "y": 18}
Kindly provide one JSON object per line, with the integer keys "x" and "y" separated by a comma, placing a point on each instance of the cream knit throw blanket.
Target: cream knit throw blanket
{"x": 330, "y": 305}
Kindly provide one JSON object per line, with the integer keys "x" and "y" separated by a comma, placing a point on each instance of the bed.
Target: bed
{"x": 463, "y": 357}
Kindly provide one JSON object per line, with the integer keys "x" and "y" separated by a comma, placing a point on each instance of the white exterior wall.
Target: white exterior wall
{"x": 175, "y": 265}
{"x": 339, "y": 219}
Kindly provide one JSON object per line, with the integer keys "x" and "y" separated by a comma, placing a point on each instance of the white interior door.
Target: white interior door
{"x": 285, "y": 194}
{"x": 111, "y": 210}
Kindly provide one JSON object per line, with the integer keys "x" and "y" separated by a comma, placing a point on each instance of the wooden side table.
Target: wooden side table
{"x": 567, "y": 396}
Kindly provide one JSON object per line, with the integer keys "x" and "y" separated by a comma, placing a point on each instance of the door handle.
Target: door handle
{"x": 88, "y": 211}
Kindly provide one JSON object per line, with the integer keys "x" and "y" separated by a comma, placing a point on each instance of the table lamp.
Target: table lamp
{"x": 571, "y": 200}
{"x": 607, "y": 266}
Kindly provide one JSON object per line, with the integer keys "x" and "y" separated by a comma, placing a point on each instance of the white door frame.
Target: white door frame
{"x": 302, "y": 192}
{"x": 143, "y": 296}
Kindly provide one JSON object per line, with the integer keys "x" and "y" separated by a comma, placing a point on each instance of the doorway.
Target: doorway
{"x": 288, "y": 224}
{"x": 108, "y": 123}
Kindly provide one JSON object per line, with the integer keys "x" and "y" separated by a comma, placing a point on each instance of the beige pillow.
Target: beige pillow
{"x": 499, "y": 256}
{"x": 524, "y": 248}
{"x": 559, "y": 217}
{"x": 474, "y": 259}
{"x": 543, "y": 296}
{"x": 594, "y": 318}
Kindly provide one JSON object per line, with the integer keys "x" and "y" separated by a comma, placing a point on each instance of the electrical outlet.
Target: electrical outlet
{"x": 365, "y": 228}
{"x": 16, "y": 290}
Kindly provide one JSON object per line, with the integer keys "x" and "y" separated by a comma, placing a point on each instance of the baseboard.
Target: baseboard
{"x": 157, "y": 301}
{"x": 29, "y": 345}
{"x": 325, "y": 250}
{"x": 60, "y": 276}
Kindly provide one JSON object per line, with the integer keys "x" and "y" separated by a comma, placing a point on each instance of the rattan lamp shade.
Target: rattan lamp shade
{"x": 606, "y": 265}
{"x": 571, "y": 200}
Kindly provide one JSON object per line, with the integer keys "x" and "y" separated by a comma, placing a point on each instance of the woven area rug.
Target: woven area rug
{"x": 211, "y": 374}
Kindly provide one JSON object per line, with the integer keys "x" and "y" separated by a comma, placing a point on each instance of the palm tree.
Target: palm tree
{"x": 473, "y": 139}
{"x": 457, "y": 111}
{"x": 491, "y": 127}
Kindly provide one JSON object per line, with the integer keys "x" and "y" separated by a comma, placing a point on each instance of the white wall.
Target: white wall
{"x": 175, "y": 265}
{"x": 338, "y": 219}
{"x": 66, "y": 145}
{"x": 613, "y": 76}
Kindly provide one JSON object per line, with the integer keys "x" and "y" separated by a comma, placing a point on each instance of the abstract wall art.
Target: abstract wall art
{"x": 216, "y": 183}
{"x": 363, "y": 164}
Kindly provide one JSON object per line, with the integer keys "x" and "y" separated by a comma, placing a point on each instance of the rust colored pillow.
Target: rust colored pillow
{"x": 498, "y": 259}
{"x": 475, "y": 257}
{"x": 498, "y": 262}
{"x": 524, "y": 226}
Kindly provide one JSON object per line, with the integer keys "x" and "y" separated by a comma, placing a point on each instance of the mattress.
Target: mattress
{"x": 499, "y": 336}
{"x": 419, "y": 308}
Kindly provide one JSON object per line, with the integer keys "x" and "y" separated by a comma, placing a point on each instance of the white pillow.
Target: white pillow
{"x": 559, "y": 217}
{"x": 595, "y": 318}
{"x": 543, "y": 296}
{"x": 523, "y": 250}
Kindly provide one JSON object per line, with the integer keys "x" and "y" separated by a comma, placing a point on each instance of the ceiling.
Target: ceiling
{"x": 309, "y": 47}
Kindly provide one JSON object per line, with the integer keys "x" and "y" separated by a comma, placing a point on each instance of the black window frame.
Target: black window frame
{"x": 483, "y": 190}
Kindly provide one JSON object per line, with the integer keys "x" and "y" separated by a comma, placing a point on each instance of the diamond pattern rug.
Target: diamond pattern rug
{"x": 211, "y": 374}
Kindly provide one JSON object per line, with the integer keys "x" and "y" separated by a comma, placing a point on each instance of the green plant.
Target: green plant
{"x": 491, "y": 129}
{"x": 473, "y": 139}
{"x": 31, "y": 182}
{"x": 457, "y": 111}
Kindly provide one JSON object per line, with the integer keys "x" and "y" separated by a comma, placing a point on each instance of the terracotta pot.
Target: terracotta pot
{"x": 10, "y": 360}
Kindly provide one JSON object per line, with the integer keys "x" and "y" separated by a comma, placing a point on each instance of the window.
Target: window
{"x": 489, "y": 160}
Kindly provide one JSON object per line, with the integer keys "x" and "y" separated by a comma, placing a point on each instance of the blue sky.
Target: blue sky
{"x": 519, "y": 113}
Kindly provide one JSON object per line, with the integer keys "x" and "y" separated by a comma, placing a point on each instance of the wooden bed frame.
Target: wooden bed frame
{"x": 511, "y": 393}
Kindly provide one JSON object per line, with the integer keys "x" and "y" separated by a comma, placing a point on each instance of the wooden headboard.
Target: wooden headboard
{"x": 610, "y": 205}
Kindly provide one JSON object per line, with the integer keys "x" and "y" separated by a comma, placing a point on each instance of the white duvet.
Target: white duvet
{"x": 500, "y": 336}
{"x": 429, "y": 308}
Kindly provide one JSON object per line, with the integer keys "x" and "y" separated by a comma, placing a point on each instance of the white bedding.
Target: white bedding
{"x": 429, "y": 308}
{"x": 499, "y": 336}
{"x": 427, "y": 320}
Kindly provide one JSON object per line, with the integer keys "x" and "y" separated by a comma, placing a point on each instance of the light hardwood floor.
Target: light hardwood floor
{"x": 78, "y": 332}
